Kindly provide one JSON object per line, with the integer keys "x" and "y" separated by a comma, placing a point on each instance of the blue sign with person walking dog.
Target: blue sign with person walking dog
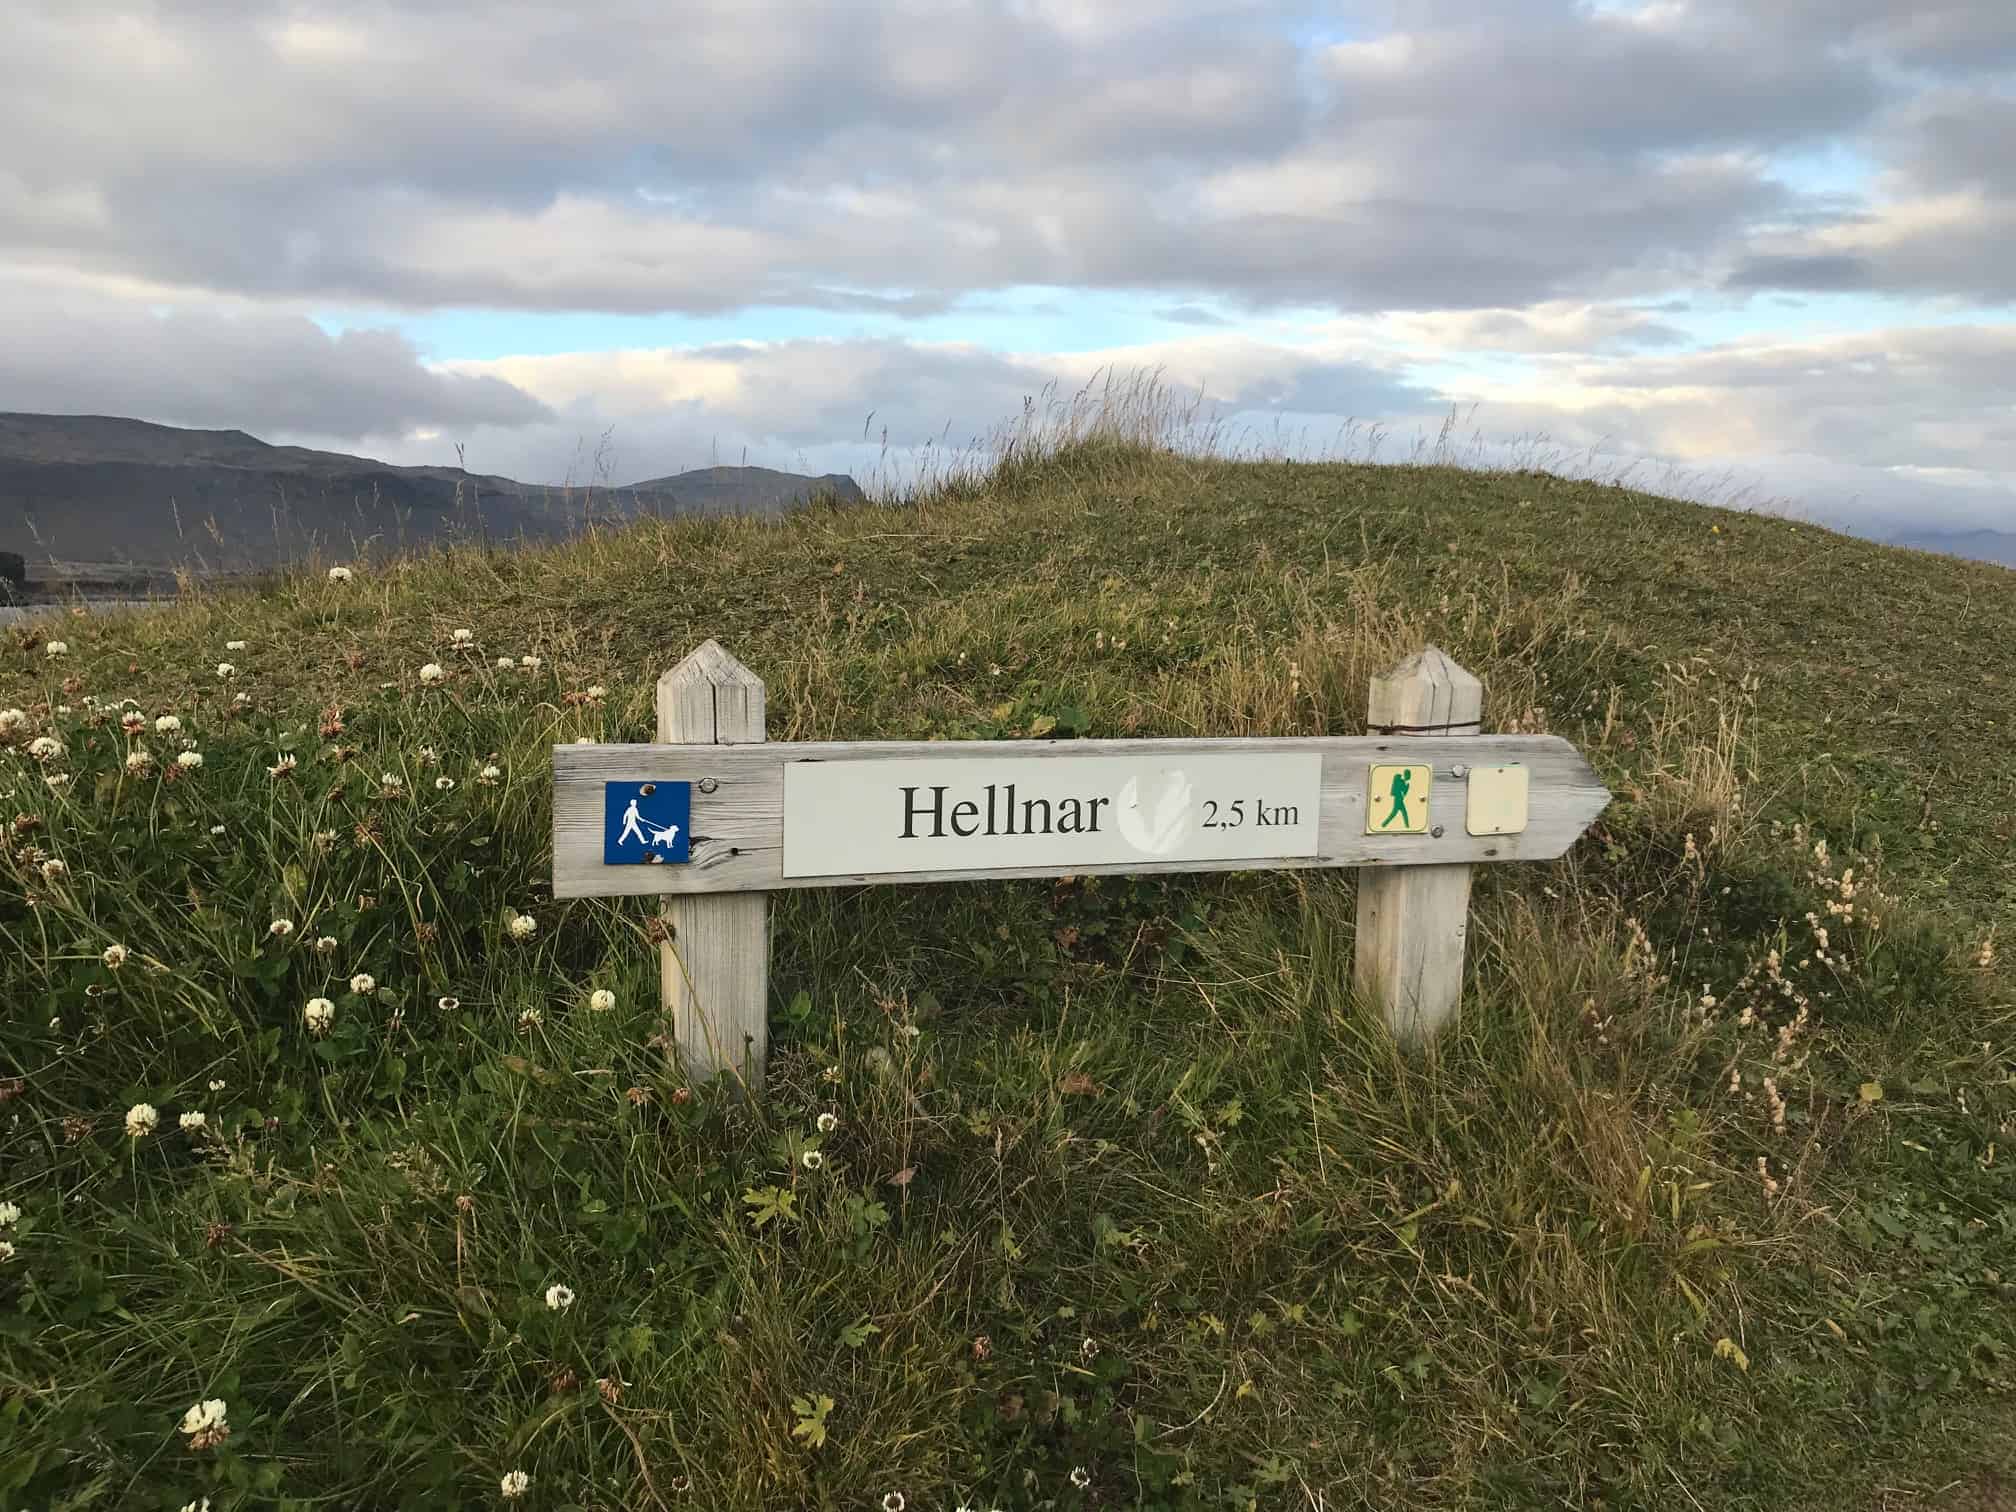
{"x": 646, "y": 823}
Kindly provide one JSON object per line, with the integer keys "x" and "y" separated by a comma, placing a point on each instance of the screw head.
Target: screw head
{"x": 1459, "y": 770}
{"x": 1436, "y": 832}
{"x": 708, "y": 784}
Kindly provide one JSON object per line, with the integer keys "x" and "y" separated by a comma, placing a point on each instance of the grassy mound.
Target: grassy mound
{"x": 1093, "y": 1193}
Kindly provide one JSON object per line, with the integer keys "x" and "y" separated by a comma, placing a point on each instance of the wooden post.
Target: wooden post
{"x": 716, "y": 963}
{"x": 1412, "y": 919}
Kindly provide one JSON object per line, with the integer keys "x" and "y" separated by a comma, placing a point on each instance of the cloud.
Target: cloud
{"x": 242, "y": 368}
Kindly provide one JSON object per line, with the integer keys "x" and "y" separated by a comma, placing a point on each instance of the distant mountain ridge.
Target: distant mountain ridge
{"x": 1975, "y": 545}
{"x": 104, "y": 490}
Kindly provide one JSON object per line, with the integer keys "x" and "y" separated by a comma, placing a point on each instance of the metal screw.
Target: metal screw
{"x": 1436, "y": 832}
{"x": 708, "y": 784}
{"x": 1459, "y": 770}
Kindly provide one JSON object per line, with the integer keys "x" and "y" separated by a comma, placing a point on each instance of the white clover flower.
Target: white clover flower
{"x": 523, "y": 926}
{"x": 280, "y": 928}
{"x": 1080, "y": 1477}
{"x": 893, "y": 1502}
{"x": 326, "y": 945}
{"x": 559, "y": 1298}
{"x": 585, "y": 740}
{"x": 217, "y": 1084}
{"x": 598, "y": 691}
{"x": 432, "y": 675}
{"x": 189, "y": 761}
{"x": 132, "y": 721}
{"x": 529, "y": 1020}
{"x": 167, "y": 724}
{"x": 318, "y": 1015}
{"x": 216, "y": 829}
{"x": 191, "y": 1122}
{"x": 828, "y": 1122}
{"x": 6, "y": 1252}
{"x": 462, "y": 637}
{"x": 12, "y": 720}
{"x": 225, "y": 669}
{"x": 114, "y": 956}
{"x": 201, "y": 1504}
{"x": 205, "y": 1425}
{"x": 139, "y": 759}
{"x": 56, "y": 648}
{"x": 54, "y": 870}
{"x": 237, "y": 645}
{"x": 286, "y": 764}
{"x": 57, "y": 779}
{"x": 45, "y": 748}
{"x": 427, "y": 756}
{"x": 10, "y": 1214}
{"x": 531, "y": 663}
{"x": 812, "y": 1160}
{"x": 363, "y": 984}
{"x": 505, "y": 664}
{"x": 392, "y": 782}
{"x": 515, "y": 1484}
{"x": 340, "y": 574}
{"x": 601, "y": 1000}
{"x": 141, "y": 1119}
{"x": 448, "y": 1004}
{"x": 444, "y": 784}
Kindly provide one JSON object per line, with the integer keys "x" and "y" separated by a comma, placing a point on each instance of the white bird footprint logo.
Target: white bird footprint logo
{"x": 1161, "y": 830}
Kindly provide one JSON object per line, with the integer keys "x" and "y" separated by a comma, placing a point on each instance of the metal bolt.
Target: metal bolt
{"x": 1436, "y": 832}
{"x": 1459, "y": 770}
{"x": 708, "y": 784}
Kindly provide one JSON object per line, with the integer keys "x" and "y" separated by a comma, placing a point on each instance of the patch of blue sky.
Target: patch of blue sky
{"x": 1016, "y": 319}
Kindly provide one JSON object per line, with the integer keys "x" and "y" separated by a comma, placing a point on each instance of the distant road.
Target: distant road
{"x": 14, "y": 614}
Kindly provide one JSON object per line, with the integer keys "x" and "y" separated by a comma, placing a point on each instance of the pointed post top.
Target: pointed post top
{"x": 710, "y": 699}
{"x": 1427, "y": 694}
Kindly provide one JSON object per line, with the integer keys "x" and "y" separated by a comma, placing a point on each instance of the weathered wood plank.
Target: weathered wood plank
{"x": 737, "y": 840}
{"x": 1413, "y": 920}
{"x": 715, "y": 966}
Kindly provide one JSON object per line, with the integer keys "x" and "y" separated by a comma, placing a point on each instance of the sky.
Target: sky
{"x": 1763, "y": 245}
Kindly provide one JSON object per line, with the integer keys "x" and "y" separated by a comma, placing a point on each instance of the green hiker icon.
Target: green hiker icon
{"x": 1402, "y": 780}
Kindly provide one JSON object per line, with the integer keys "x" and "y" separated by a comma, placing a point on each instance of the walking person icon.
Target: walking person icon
{"x": 632, "y": 825}
{"x": 1402, "y": 780}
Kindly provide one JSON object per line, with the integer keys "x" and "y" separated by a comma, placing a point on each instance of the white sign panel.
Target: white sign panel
{"x": 862, "y": 818}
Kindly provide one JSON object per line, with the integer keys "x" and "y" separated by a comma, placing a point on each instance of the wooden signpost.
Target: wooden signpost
{"x": 715, "y": 818}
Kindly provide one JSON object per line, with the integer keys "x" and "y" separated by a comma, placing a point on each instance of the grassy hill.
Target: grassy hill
{"x": 1075, "y": 1194}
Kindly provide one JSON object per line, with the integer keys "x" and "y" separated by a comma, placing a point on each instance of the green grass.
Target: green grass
{"x": 1120, "y": 1179}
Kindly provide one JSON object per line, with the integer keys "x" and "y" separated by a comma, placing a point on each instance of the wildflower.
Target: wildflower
{"x": 53, "y": 870}
{"x": 598, "y": 692}
{"x": 237, "y": 645}
{"x": 284, "y": 766}
{"x": 139, "y": 759}
{"x": 318, "y": 1015}
{"x": 529, "y": 1020}
{"x": 505, "y": 664}
{"x": 444, "y": 784}
{"x": 240, "y": 700}
{"x": 202, "y": 1505}
{"x": 391, "y": 784}
{"x": 363, "y": 984}
{"x": 601, "y": 1000}
{"x": 812, "y": 1160}
{"x": 432, "y": 675}
{"x": 189, "y": 761}
{"x": 56, "y": 648}
{"x": 132, "y": 721}
{"x": 489, "y": 775}
{"x": 10, "y": 1214}
{"x": 531, "y": 663}
{"x": 217, "y": 1084}
{"x": 12, "y": 720}
{"x": 216, "y": 829}
{"x": 340, "y": 574}
{"x": 828, "y": 1122}
{"x": 462, "y": 637}
{"x": 193, "y": 1122}
{"x": 523, "y": 926}
{"x": 205, "y": 1425}
{"x": 1986, "y": 957}
{"x": 57, "y": 780}
{"x": 893, "y": 1502}
{"x": 515, "y": 1484}
{"x": 45, "y": 748}
{"x": 114, "y": 956}
{"x": 559, "y": 1298}
{"x": 326, "y": 945}
{"x": 167, "y": 724}
{"x": 225, "y": 669}
{"x": 584, "y": 740}
{"x": 448, "y": 1004}
{"x": 427, "y": 756}
{"x": 6, "y": 1252}
{"x": 141, "y": 1119}
{"x": 1080, "y": 1477}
